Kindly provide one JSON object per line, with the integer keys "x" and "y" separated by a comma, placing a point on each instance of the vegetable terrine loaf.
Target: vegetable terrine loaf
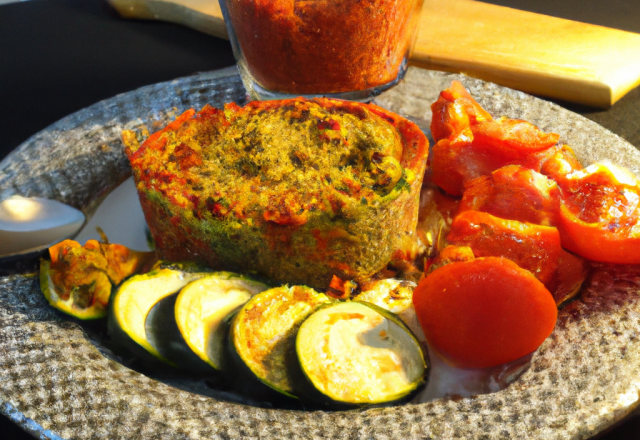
{"x": 298, "y": 190}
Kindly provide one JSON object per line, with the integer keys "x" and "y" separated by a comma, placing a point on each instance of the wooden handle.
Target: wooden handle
{"x": 535, "y": 53}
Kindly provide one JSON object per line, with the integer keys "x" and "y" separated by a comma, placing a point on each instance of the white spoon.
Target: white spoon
{"x": 31, "y": 224}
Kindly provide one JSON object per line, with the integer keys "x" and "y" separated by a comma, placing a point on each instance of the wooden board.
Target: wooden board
{"x": 535, "y": 53}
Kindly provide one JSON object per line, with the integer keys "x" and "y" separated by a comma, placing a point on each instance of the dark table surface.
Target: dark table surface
{"x": 59, "y": 56}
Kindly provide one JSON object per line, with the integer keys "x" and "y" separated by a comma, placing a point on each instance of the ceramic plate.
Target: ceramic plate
{"x": 59, "y": 380}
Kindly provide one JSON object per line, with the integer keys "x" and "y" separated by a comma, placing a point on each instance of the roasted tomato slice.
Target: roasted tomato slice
{"x": 533, "y": 247}
{"x": 484, "y": 312}
{"x": 454, "y": 111}
{"x": 515, "y": 193}
{"x": 599, "y": 214}
{"x": 481, "y": 149}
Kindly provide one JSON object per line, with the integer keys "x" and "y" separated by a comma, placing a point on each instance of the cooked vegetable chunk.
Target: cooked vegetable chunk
{"x": 454, "y": 111}
{"x": 263, "y": 334}
{"x": 533, "y": 247}
{"x": 470, "y": 144}
{"x": 515, "y": 193}
{"x": 600, "y": 214}
{"x": 484, "y": 312}
{"x": 136, "y": 297}
{"x": 572, "y": 272}
{"x": 203, "y": 305}
{"x": 78, "y": 279}
{"x": 562, "y": 162}
{"x": 356, "y": 353}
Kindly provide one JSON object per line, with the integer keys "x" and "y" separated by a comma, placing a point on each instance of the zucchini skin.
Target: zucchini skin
{"x": 244, "y": 380}
{"x": 131, "y": 353}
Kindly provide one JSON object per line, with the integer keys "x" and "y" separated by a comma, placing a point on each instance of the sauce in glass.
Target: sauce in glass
{"x": 324, "y": 46}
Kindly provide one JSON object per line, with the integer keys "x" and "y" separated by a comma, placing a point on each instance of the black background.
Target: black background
{"x": 59, "y": 56}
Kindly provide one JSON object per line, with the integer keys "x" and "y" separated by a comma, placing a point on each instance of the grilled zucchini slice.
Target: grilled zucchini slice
{"x": 202, "y": 307}
{"x": 133, "y": 301}
{"x": 263, "y": 335}
{"x": 356, "y": 353}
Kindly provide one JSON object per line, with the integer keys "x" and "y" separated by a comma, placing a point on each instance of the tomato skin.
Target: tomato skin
{"x": 484, "y": 312}
{"x": 595, "y": 243}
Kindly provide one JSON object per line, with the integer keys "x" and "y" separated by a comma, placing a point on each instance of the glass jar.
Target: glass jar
{"x": 351, "y": 49}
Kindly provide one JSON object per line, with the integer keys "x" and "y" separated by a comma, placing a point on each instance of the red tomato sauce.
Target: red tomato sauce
{"x": 324, "y": 46}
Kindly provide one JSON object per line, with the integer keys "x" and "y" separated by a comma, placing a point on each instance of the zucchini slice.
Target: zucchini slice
{"x": 85, "y": 301}
{"x": 263, "y": 334}
{"x": 203, "y": 305}
{"x": 137, "y": 296}
{"x": 357, "y": 353}
{"x": 395, "y": 296}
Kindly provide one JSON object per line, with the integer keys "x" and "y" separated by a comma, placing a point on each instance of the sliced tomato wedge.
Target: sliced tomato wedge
{"x": 454, "y": 111}
{"x": 470, "y": 143}
{"x": 478, "y": 151}
{"x": 533, "y": 247}
{"x": 600, "y": 214}
{"x": 515, "y": 193}
{"x": 484, "y": 312}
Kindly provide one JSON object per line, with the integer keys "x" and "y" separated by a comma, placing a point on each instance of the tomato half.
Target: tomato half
{"x": 484, "y": 312}
{"x": 600, "y": 214}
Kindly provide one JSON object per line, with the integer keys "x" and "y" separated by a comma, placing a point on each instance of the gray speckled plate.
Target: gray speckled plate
{"x": 57, "y": 381}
